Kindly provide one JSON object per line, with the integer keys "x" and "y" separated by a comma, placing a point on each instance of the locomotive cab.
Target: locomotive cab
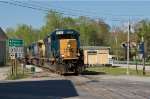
{"x": 65, "y": 47}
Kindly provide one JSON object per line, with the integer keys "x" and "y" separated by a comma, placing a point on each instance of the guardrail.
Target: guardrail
{"x": 130, "y": 62}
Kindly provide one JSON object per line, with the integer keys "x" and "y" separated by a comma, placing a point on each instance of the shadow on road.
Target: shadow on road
{"x": 86, "y": 72}
{"x": 47, "y": 89}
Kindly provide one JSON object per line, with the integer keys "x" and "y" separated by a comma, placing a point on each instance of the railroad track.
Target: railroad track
{"x": 113, "y": 86}
{"x": 82, "y": 84}
{"x": 73, "y": 78}
{"x": 76, "y": 80}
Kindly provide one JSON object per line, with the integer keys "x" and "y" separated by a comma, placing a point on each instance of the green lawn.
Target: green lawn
{"x": 117, "y": 71}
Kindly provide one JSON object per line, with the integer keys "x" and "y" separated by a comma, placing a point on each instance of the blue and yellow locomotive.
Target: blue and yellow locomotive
{"x": 60, "y": 51}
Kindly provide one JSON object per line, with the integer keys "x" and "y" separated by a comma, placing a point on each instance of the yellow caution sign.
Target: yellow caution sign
{"x": 12, "y": 57}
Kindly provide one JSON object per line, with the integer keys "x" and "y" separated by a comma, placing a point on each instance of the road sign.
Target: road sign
{"x": 16, "y": 42}
{"x": 12, "y": 57}
{"x": 19, "y": 55}
{"x": 19, "y": 49}
{"x": 12, "y": 50}
{"x": 129, "y": 26}
{"x": 141, "y": 48}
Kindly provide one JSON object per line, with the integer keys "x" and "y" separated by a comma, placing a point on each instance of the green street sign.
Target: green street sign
{"x": 16, "y": 42}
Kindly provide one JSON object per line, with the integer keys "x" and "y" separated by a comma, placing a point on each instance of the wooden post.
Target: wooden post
{"x": 143, "y": 57}
{"x": 13, "y": 66}
{"x": 16, "y": 66}
{"x": 136, "y": 60}
{"x": 12, "y": 69}
{"x": 143, "y": 65}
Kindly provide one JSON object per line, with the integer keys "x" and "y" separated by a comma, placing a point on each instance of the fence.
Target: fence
{"x": 130, "y": 62}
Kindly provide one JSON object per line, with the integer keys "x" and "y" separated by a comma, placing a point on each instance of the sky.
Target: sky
{"x": 113, "y": 12}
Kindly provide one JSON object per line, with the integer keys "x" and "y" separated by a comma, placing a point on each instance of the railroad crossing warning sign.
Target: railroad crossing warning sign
{"x": 129, "y": 26}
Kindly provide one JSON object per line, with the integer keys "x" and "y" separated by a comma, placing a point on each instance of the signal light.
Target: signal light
{"x": 123, "y": 44}
{"x": 132, "y": 44}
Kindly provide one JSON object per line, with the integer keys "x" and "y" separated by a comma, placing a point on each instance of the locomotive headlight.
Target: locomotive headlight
{"x": 69, "y": 45}
{"x": 62, "y": 56}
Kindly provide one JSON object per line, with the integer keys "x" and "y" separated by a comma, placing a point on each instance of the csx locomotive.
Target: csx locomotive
{"x": 60, "y": 51}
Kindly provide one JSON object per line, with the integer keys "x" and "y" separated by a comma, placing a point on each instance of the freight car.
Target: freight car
{"x": 60, "y": 51}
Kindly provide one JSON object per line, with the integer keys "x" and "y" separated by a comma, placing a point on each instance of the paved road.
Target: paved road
{"x": 122, "y": 87}
{"x": 77, "y": 87}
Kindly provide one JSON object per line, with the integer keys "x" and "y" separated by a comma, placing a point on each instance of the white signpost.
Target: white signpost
{"x": 128, "y": 28}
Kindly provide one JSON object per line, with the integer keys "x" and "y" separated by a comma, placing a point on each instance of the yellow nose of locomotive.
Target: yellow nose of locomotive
{"x": 68, "y": 48}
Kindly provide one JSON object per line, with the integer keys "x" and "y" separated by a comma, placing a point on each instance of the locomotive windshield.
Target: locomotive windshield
{"x": 67, "y": 36}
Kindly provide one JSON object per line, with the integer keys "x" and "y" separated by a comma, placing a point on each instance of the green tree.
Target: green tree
{"x": 10, "y": 32}
{"x": 68, "y": 23}
{"x": 103, "y": 33}
{"x": 88, "y": 30}
{"x": 52, "y": 22}
{"x": 144, "y": 31}
{"x": 27, "y": 33}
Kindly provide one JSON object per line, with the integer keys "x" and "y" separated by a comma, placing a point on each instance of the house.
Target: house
{"x": 96, "y": 55}
{"x": 3, "y": 39}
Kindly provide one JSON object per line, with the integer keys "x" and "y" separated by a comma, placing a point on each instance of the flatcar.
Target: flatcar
{"x": 60, "y": 51}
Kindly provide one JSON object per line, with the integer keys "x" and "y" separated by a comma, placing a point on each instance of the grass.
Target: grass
{"x": 117, "y": 71}
{"x": 19, "y": 75}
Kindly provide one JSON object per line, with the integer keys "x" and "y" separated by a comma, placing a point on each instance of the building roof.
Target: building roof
{"x": 3, "y": 36}
{"x": 94, "y": 47}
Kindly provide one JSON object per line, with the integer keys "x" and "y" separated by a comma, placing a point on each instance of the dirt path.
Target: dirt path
{"x": 4, "y": 71}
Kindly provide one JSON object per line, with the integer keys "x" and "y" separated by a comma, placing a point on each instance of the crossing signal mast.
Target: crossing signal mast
{"x": 128, "y": 29}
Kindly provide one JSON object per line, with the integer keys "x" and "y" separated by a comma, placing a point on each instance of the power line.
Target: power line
{"x": 73, "y": 14}
{"x": 41, "y": 3}
{"x": 61, "y": 12}
{"x": 35, "y": 8}
{"x": 26, "y": 5}
{"x": 60, "y": 7}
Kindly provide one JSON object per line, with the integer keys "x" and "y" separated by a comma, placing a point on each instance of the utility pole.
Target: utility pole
{"x": 128, "y": 48}
{"x": 143, "y": 57}
{"x": 128, "y": 30}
